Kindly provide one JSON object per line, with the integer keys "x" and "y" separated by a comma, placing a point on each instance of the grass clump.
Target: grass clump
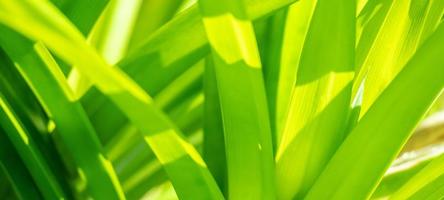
{"x": 250, "y": 99}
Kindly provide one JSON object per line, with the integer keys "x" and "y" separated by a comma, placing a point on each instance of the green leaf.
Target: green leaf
{"x": 110, "y": 37}
{"x": 424, "y": 178}
{"x": 83, "y": 13}
{"x": 214, "y": 143}
{"x": 320, "y": 102}
{"x": 360, "y": 162}
{"x": 31, "y": 156}
{"x": 134, "y": 164}
{"x": 248, "y": 144}
{"x": 281, "y": 59}
{"x": 392, "y": 30}
{"x": 166, "y": 141}
{"x": 32, "y": 117}
{"x": 166, "y": 54}
{"x": 174, "y": 100}
{"x": 405, "y": 167}
{"x": 159, "y": 59}
{"x": 432, "y": 191}
{"x": 158, "y": 13}
{"x": 14, "y": 168}
{"x": 39, "y": 69}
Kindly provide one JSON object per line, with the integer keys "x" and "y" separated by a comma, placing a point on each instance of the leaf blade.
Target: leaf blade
{"x": 348, "y": 166}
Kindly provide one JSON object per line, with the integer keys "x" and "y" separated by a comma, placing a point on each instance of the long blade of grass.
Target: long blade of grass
{"x": 185, "y": 115}
{"x": 432, "y": 191}
{"x": 281, "y": 60}
{"x": 33, "y": 118}
{"x": 360, "y": 162}
{"x": 152, "y": 15}
{"x": 82, "y": 13}
{"x": 110, "y": 37}
{"x": 41, "y": 72}
{"x": 145, "y": 177}
{"x": 320, "y": 102}
{"x": 25, "y": 103}
{"x": 44, "y": 178}
{"x": 411, "y": 160}
{"x": 255, "y": 9}
{"x": 431, "y": 172}
{"x": 392, "y": 31}
{"x": 150, "y": 175}
{"x": 240, "y": 85}
{"x": 159, "y": 55}
{"x": 407, "y": 165}
{"x": 165, "y": 70}
{"x": 147, "y": 62}
{"x": 136, "y": 155}
{"x": 191, "y": 29}
{"x": 214, "y": 142}
{"x": 174, "y": 95}
{"x": 14, "y": 168}
{"x": 142, "y": 171}
{"x": 175, "y": 154}
{"x": 392, "y": 182}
